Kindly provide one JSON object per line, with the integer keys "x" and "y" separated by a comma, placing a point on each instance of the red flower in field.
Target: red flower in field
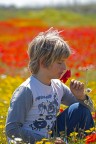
{"x": 2, "y": 70}
{"x": 77, "y": 74}
{"x": 61, "y": 110}
{"x": 91, "y": 138}
{"x": 65, "y": 77}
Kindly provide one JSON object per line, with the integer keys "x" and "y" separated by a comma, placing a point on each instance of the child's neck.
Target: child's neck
{"x": 43, "y": 78}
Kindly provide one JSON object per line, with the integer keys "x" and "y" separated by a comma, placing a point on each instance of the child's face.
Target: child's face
{"x": 56, "y": 69}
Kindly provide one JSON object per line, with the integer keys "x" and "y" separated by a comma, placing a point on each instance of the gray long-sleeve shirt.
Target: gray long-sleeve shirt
{"x": 33, "y": 104}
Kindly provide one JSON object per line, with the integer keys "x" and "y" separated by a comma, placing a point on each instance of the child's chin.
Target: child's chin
{"x": 57, "y": 77}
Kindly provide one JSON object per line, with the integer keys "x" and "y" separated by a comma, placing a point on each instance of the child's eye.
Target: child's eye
{"x": 59, "y": 62}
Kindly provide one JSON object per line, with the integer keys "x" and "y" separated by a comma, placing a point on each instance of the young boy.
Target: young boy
{"x": 36, "y": 102}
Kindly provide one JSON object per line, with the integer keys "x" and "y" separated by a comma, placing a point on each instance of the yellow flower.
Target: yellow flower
{"x": 93, "y": 129}
{"x": 50, "y": 132}
{"x": 48, "y": 143}
{"x": 40, "y": 142}
{"x": 44, "y": 139}
{"x": 73, "y": 134}
{"x": 87, "y": 131}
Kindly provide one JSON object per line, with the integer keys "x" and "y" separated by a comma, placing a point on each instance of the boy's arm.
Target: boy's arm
{"x": 20, "y": 104}
{"x": 68, "y": 99}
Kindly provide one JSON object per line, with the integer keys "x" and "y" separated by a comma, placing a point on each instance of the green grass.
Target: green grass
{"x": 51, "y": 16}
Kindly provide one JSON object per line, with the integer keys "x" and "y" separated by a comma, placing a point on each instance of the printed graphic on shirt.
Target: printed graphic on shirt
{"x": 38, "y": 124}
{"x": 47, "y": 112}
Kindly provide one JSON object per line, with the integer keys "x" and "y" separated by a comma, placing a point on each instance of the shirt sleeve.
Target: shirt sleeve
{"x": 68, "y": 98}
{"x": 21, "y": 102}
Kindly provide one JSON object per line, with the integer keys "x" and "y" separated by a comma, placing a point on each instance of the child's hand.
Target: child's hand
{"x": 77, "y": 89}
{"x": 59, "y": 141}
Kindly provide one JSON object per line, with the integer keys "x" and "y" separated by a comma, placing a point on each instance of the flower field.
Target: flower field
{"x": 15, "y": 35}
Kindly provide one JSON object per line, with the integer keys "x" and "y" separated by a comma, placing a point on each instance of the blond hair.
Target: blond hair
{"x": 47, "y": 46}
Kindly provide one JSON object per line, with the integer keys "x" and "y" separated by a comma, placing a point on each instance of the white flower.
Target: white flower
{"x": 88, "y": 90}
{"x": 18, "y": 140}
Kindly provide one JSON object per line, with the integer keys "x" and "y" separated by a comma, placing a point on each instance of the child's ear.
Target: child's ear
{"x": 41, "y": 62}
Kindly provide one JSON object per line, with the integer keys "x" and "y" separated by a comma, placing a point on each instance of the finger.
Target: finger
{"x": 81, "y": 86}
{"x": 77, "y": 85}
{"x": 74, "y": 83}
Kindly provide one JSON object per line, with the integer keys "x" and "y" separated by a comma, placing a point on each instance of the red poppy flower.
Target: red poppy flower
{"x": 61, "y": 110}
{"x": 77, "y": 74}
{"x": 65, "y": 77}
{"x": 91, "y": 138}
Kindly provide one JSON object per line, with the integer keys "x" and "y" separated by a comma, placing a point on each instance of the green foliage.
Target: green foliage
{"x": 51, "y": 16}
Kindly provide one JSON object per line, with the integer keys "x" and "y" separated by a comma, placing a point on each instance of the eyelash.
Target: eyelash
{"x": 59, "y": 62}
